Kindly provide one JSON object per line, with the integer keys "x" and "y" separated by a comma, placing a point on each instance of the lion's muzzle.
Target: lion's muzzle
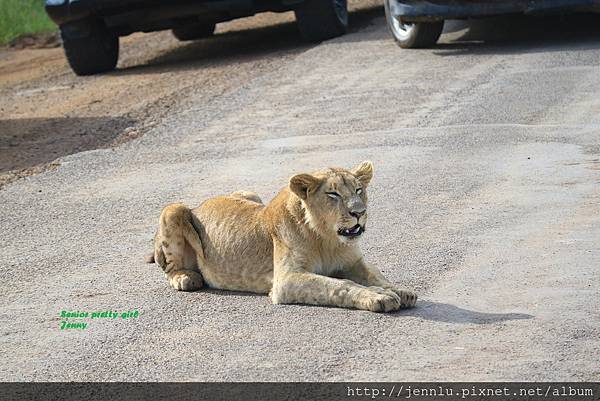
{"x": 352, "y": 232}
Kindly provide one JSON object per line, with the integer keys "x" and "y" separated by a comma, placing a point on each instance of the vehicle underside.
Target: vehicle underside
{"x": 431, "y": 10}
{"x": 419, "y": 23}
{"x": 90, "y": 29}
{"x": 125, "y": 17}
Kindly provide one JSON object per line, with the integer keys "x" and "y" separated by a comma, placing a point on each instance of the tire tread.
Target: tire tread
{"x": 96, "y": 53}
{"x": 317, "y": 21}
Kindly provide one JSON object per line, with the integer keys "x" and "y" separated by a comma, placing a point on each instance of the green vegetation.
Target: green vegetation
{"x": 18, "y": 17}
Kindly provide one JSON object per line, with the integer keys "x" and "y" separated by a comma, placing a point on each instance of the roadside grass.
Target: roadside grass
{"x": 19, "y": 17}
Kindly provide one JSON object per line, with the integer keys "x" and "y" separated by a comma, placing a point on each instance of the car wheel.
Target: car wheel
{"x": 94, "y": 52}
{"x": 319, "y": 20}
{"x": 412, "y": 35}
{"x": 195, "y": 31}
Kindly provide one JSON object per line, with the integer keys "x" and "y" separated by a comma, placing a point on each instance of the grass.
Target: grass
{"x": 19, "y": 17}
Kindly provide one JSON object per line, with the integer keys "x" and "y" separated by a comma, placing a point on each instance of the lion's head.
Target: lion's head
{"x": 335, "y": 200}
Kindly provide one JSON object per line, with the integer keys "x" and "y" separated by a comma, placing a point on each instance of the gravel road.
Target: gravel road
{"x": 485, "y": 199}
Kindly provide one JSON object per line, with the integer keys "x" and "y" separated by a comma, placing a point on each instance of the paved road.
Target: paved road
{"x": 485, "y": 198}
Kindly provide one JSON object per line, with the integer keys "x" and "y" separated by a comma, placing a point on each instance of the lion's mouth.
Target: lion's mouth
{"x": 351, "y": 232}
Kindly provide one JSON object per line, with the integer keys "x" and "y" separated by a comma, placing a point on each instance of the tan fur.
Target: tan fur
{"x": 291, "y": 248}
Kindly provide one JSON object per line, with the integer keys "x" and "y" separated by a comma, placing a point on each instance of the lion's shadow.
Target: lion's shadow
{"x": 446, "y": 313}
{"x": 426, "y": 310}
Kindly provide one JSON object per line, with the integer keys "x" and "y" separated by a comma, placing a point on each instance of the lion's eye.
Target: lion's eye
{"x": 359, "y": 191}
{"x": 333, "y": 195}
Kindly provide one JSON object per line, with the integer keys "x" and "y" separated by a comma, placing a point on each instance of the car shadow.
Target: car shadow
{"x": 28, "y": 142}
{"x": 446, "y": 313}
{"x": 240, "y": 46}
{"x": 516, "y": 34}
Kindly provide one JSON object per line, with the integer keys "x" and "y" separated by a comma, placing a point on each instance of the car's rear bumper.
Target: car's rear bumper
{"x": 64, "y": 11}
{"x": 61, "y": 11}
{"x": 421, "y": 10}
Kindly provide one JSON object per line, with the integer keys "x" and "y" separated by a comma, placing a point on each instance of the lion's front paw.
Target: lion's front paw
{"x": 186, "y": 280}
{"x": 408, "y": 299}
{"x": 380, "y": 300}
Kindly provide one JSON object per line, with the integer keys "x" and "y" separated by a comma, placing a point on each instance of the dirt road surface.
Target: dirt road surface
{"x": 485, "y": 199}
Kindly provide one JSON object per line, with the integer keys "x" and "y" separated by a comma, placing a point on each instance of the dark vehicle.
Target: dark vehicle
{"x": 419, "y": 23}
{"x": 90, "y": 29}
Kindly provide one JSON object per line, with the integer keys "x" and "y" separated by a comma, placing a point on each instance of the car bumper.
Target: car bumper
{"x": 420, "y": 10}
{"x": 64, "y": 11}
{"x": 61, "y": 11}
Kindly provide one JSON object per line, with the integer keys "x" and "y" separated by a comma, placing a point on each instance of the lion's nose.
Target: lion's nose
{"x": 358, "y": 213}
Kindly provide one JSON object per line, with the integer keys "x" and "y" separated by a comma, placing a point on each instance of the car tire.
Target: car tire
{"x": 320, "y": 20}
{"x": 412, "y": 35}
{"x": 193, "y": 32}
{"x": 92, "y": 53}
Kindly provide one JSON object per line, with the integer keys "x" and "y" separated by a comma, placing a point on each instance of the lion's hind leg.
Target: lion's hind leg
{"x": 178, "y": 248}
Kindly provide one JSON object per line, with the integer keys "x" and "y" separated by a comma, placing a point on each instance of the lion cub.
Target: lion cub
{"x": 300, "y": 248}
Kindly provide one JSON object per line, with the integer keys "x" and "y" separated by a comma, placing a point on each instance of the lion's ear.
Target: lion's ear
{"x": 303, "y": 184}
{"x": 364, "y": 172}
